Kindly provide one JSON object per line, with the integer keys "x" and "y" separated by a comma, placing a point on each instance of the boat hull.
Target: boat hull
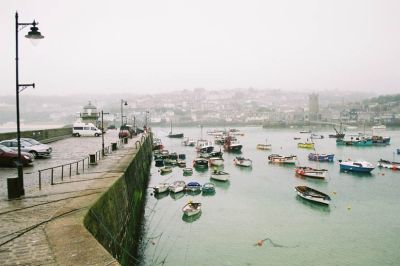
{"x": 312, "y": 195}
{"x": 220, "y": 177}
{"x": 321, "y": 157}
{"x": 354, "y": 168}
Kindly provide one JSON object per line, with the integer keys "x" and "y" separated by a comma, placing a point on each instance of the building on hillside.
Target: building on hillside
{"x": 313, "y": 107}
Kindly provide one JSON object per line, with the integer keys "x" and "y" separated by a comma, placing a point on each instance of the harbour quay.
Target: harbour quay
{"x": 90, "y": 218}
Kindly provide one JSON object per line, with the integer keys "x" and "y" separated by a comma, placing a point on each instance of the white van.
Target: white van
{"x": 85, "y": 129}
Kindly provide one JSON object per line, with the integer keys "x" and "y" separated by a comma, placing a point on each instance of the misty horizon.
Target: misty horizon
{"x": 146, "y": 48}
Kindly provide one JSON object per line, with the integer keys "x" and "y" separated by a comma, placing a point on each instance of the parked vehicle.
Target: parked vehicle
{"x": 35, "y": 142}
{"x": 85, "y": 129}
{"x": 9, "y": 157}
{"x": 39, "y": 150}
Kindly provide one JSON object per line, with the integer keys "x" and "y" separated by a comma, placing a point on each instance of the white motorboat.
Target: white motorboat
{"x": 191, "y": 208}
{"x": 241, "y": 161}
{"x": 276, "y": 158}
{"x": 311, "y": 172}
{"x": 216, "y": 161}
{"x": 161, "y": 187}
{"x": 220, "y": 175}
{"x": 177, "y": 186}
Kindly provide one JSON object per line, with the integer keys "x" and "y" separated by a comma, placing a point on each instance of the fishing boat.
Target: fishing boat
{"x": 311, "y": 172}
{"x": 380, "y": 140}
{"x": 170, "y": 162}
{"x": 193, "y": 187}
{"x": 177, "y": 186}
{"x": 359, "y": 142}
{"x": 161, "y": 188}
{"x": 216, "y": 161}
{"x": 389, "y": 164}
{"x": 339, "y": 133}
{"x": 175, "y": 135}
{"x": 200, "y": 162}
{"x": 316, "y": 136}
{"x": 276, "y": 158}
{"x": 187, "y": 171}
{"x": 356, "y": 166}
{"x": 321, "y": 157}
{"x": 265, "y": 146}
{"x": 231, "y": 144}
{"x": 305, "y": 131}
{"x": 189, "y": 142}
{"x": 165, "y": 170}
{"x": 157, "y": 144}
{"x": 313, "y": 195}
{"x": 204, "y": 146}
{"x": 181, "y": 163}
{"x": 244, "y": 162}
{"x": 159, "y": 162}
{"x": 305, "y": 145}
{"x": 220, "y": 175}
{"x": 191, "y": 208}
{"x": 208, "y": 188}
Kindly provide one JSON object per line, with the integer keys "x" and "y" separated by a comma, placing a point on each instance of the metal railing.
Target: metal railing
{"x": 74, "y": 167}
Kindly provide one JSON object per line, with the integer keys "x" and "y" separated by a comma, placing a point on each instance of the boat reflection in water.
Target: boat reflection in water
{"x": 191, "y": 219}
{"x": 315, "y": 206}
{"x": 224, "y": 185}
{"x": 161, "y": 195}
{"x": 176, "y": 196}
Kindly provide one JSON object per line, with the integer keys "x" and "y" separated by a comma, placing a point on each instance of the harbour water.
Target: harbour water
{"x": 257, "y": 218}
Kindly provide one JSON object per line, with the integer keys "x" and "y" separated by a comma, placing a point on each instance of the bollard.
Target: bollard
{"x": 92, "y": 159}
{"x": 13, "y": 188}
{"x": 114, "y": 146}
{"x": 125, "y": 140}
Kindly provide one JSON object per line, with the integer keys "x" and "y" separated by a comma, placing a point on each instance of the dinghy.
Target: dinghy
{"x": 220, "y": 175}
{"x": 177, "y": 186}
{"x": 312, "y": 195}
{"x": 311, "y": 172}
{"x": 244, "y": 162}
{"x": 161, "y": 187}
{"x": 191, "y": 208}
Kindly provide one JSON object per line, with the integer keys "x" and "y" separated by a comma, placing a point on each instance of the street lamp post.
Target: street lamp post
{"x": 123, "y": 102}
{"x": 102, "y": 132}
{"x": 33, "y": 34}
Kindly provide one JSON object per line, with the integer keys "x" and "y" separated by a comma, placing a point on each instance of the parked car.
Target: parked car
{"x": 9, "y": 157}
{"x": 125, "y": 131}
{"x": 35, "y": 150}
{"x": 35, "y": 142}
{"x": 85, "y": 129}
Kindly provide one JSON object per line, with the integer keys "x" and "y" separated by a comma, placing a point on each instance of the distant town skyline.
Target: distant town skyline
{"x": 141, "y": 47}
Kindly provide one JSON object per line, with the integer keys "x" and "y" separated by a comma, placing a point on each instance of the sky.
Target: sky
{"x": 153, "y": 46}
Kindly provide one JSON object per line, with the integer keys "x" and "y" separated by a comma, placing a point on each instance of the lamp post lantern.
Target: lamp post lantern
{"x": 123, "y": 102}
{"x": 33, "y": 34}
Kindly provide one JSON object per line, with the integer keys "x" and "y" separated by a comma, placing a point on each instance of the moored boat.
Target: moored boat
{"x": 193, "y": 186}
{"x": 312, "y": 195}
{"x": 208, "y": 188}
{"x": 276, "y": 158}
{"x": 265, "y": 146}
{"x": 231, "y": 144}
{"x": 216, "y": 161}
{"x": 204, "y": 146}
{"x": 200, "y": 162}
{"x": 306, "y": 145}
{"x": 191, "y": 208}
{"x": 181, "y": 163}
{"x": 360, "y": 142}
{"x": 356, "y": 166}
{"x": 311, "y": 172}
{"x": 175, "y": 135}
{"x": 389, "y": 164}
{"x": 220, "y": 175}
{"x": 244, "y": 162}
{"x": 177, "y": 186}
{"x": 161, "y": 187}
{"x": 321, "y": 157}
{"x": 165, "y": 170}
{"x": 189, "y": 142}
{"x": 187, "y": 171}
{"x": 316, "y": 136}
{"x": 157, "y": 144}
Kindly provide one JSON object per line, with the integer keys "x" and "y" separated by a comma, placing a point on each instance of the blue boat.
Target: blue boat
{"x": 321, "y": 157}
{"x": 193, "y": 186}
{"x": 359, "y": 142}
{"x": 356, "y": 166}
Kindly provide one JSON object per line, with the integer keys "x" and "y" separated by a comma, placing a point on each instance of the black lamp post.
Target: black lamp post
{"x": 123, "y": 102}
{"x": 34, "y": 35}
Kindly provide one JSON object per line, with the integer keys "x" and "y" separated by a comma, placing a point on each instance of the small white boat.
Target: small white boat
{"x": 187, "y": 171}
{"x": 389, "y": 164}
{"x": 177, "y": 186}
{"x": 189, "y": 142}
{"x": 241, "y": 161}
{"x": 265, "y": 146}
{"x": 191, "y": 208}
{"x": 161, "y": 187}
{"x": 216, "y": 161}
{"x": 165, "y": 170}
{"x": 313, "y": 195}
{"x": 276, "y": 158}
{"x": 311, "y": 172}
{"x": 220, "y": 175}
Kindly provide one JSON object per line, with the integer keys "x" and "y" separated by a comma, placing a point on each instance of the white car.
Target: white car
{"x": 38, "y": 150}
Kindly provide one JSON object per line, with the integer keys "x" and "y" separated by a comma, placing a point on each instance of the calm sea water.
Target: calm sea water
{"x": 361, "y": 227}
